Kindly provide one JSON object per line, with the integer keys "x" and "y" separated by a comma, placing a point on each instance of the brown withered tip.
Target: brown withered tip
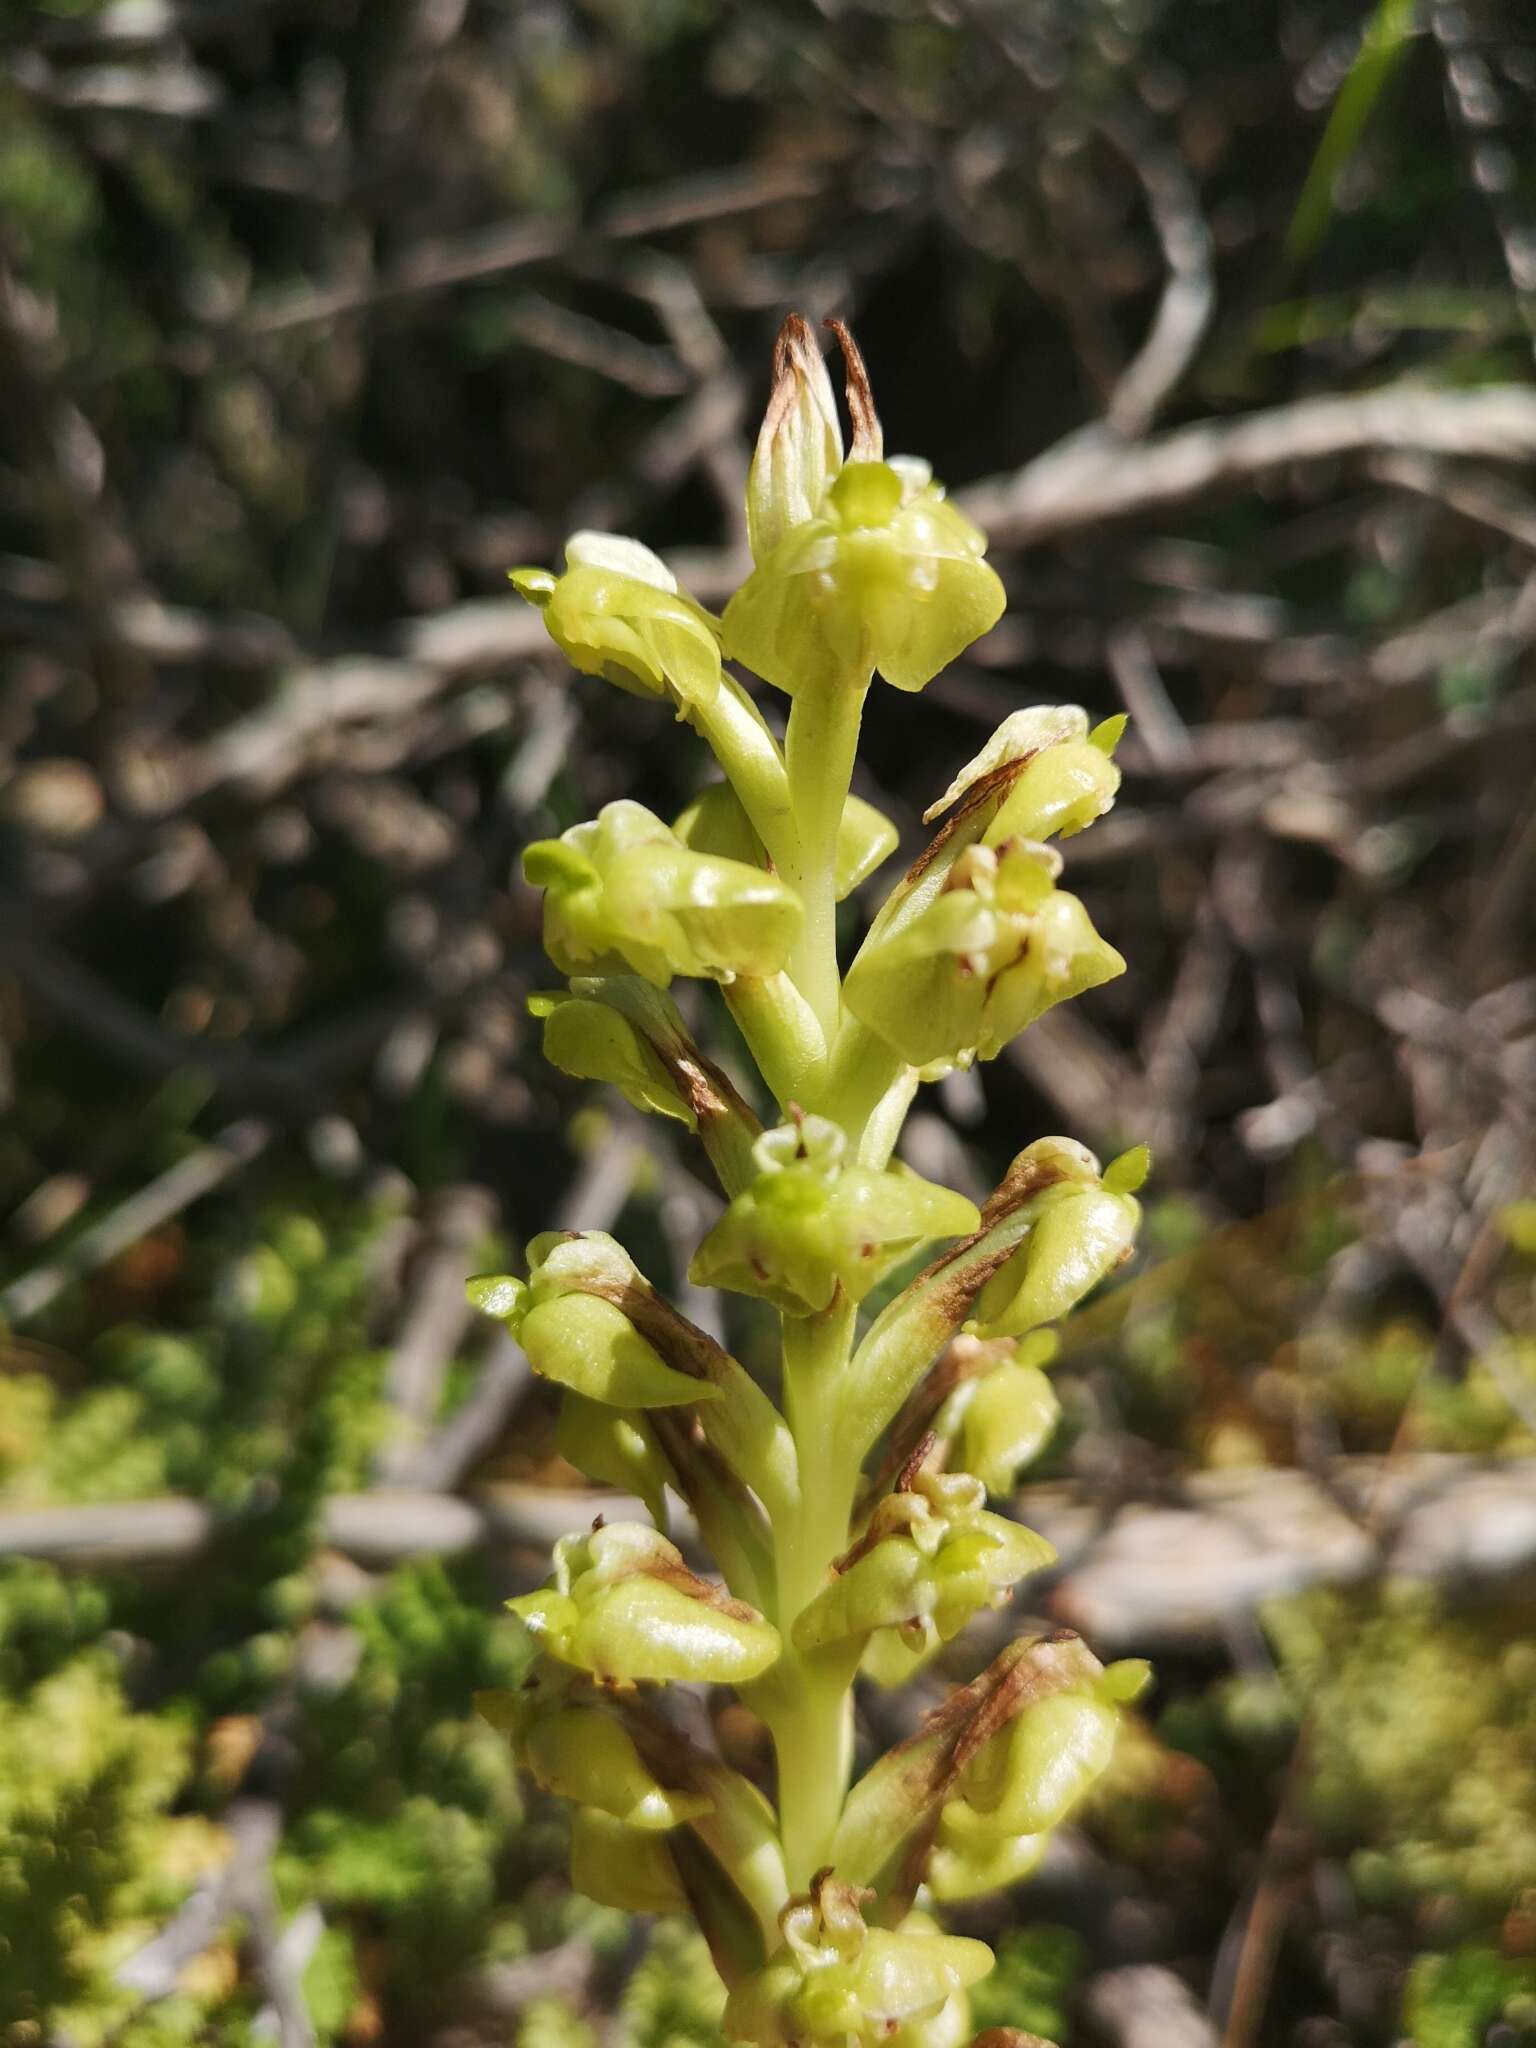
{"x": 796, "y": 355}
{"x": 868, "y": 439}
{"x": 1009, "y": 2037}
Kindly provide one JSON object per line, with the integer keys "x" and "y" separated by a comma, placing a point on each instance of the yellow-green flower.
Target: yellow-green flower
{"x": 617, "y": 613}
{"x": 809, "y": 1224}
{"x": 837, "y": 1983}
{"x": 931, "y": 1558}
{"x": 624, "y": 1606}
{"x": 996, "y": 948}
{"x": 623, "y": 891}
{"x": 887, "y": 576}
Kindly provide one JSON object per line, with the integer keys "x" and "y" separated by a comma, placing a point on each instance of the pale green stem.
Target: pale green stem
{"x": 783, "y": 1035}
{"x": 749, "y": 755}
{"x": 819, "y": 749}
{"x": 810, "y": 1711}
{"x": 861, "y": 1069}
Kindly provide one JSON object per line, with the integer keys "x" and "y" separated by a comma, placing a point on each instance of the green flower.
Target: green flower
{"x": 931, "y": 1557}
{"x": 997, "y": 947}
{"x": 1025, "y": 1781}
{"x": 809, "y": 1224}
{"x": 837, "y": 1983}
{"x": 623, "y": 891}
{"x": 1083, "y": 1227}
{"x": 625, "y": 1607}
{"x": 617, "y": 613}
{"x": 581, "y": 1751}
{"x": 887, "y": 575}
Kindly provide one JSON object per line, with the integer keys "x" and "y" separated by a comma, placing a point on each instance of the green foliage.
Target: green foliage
{"x": 1451, "y": 2001}
{"x": 87, "y": 1852}
{"x": 1038, "y": 1970}
{"x": 673, "y": 1999}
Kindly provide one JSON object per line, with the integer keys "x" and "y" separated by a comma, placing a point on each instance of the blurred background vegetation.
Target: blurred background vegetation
{"x": 314, "y": 320}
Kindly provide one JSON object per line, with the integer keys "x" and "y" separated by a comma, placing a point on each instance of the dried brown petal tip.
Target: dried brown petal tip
{"x": 868, "y": 439}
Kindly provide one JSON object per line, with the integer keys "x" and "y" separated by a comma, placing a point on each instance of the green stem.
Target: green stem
{"x": 810, "y": 1711}
{"x": 749, "y": 754}
{"x": 819, "y": 749}
{"x": 783, "y": 1036}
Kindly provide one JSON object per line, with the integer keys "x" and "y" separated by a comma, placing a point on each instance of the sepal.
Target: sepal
{"x": 800, "y": 445}
{"x": 1000, "y": 1421}
{"x": 619, "y": 1028}
{"x": 624, "y": 891}
{"x": 624, "y": 1606}
{"x": 809, "y": 1224}
{"x": 1065, "y": 779}
{"x": 620, "y": 1866}
{"x": 575, "y": 1337}
{"x": 586, "y": 1755}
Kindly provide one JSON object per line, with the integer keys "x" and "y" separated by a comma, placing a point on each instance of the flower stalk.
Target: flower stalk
{"x": 845, "y": 1529}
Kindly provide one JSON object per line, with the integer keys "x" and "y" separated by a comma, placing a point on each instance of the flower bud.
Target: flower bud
{"x": 800, "y": 445}
{"x": 836, "y": 1983}
{"x": 624, "y": 1606}
{"x": 617, "y": 613}
{"x": 616, "y": 1447}
{"x": 576, "y": 1338}
{"x": 1065, "y": 777}
{"x": 808, "y": 1224}
{"x": 622, "y": 1866}
{"x": 716, "y": 823}
{"x": 624, "y": 891}
{"x": 1083, "y": 1228}
{"x": 886, "y": 575}
{"x": 930, "y": 1558}
{"x": 996, "y": 948}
